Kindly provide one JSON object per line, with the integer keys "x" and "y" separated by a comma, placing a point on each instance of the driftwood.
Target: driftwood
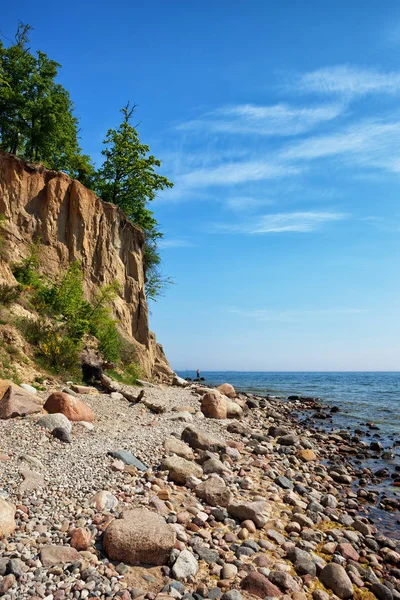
{"x": 127, "y": 391}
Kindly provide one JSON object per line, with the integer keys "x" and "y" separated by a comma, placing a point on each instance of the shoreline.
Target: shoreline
{"x": 260, "y": 512}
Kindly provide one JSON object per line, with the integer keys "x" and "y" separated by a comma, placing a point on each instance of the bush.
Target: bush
{"x": 9, "y": 294}
{"x": 26, "y": 272}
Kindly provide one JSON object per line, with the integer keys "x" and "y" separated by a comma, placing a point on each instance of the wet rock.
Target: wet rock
{"x": 139, "y": 537}
{"x": 335, "y": 578}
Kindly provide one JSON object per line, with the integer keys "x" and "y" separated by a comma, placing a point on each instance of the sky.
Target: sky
{"x": 279, "y": 124}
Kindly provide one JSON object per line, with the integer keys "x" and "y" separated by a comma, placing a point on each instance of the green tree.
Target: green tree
{"x": 36, "y": 113}
{"x": 128, "y": 178}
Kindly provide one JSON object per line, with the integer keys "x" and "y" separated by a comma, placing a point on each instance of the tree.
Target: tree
{"x": 36, "y": 113}
{"x": 128, "y": 178}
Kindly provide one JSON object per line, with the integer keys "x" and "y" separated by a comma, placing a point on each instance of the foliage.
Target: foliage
{"x": 8, "y": 294}
{"x": 26, "y": 272}
{"x": 128, "y": 375}
{"x": 128, "y": 178}
{"x": 36, "y": 113}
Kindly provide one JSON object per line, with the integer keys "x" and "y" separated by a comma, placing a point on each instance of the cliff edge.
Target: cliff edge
{"x": 72, "y": 224}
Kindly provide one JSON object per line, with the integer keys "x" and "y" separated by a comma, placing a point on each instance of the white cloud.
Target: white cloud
{"x": 242, "y": 203}
{"x": 274, "y": 120}
{"x": 295, "y": 314}
{"x": 349, "y": 81}
{"x": 299, "y": 222}
{"x": 174, "y": 243}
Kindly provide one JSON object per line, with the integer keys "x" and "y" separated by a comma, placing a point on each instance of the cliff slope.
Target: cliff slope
{"x": 72, "y": 223}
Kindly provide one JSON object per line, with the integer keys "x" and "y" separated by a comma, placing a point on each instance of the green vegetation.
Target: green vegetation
{"x": 37, "y": 122}
{"x": 66, "y": 317}
{"x": 8, "y": 294}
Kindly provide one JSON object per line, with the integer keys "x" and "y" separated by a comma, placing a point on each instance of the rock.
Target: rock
{"x": 200, "y": 440}
{"x": 214, "y": 465}
{"x": 302, "y": 562}
{"x": 81, "y": 539}
{"x": 62, "y": 434}
{"x": 156, "y": 405}
{"x": 233, "y": 410}
{"x": 139, "y": 537}
{"x": 229, "y": 571}
{"x": 52, "y": 555}
{"x": 128, "y": 458}
{"x": 335, "y": 578}
{"x": 232, "y": 595}
{"x": 7, "y": 520}
{"x": 175, "y": 446}
{"x": 348, "y": 552}
{"x": 73, "y": 408}
{"x": 227, "y": 390}
{"x": 32, "y": 480}
{"x": 84, "y": 389}
{"x": 7, "y": 583}
{"x": 185, "y": 566}
{"x": 284, "y": 482}
{"x": 16, "y": 402}
{"x": 179, "y": 381}
{"x": 328, "y": 500}
{"x": 214, "y": 491}
{"x": 362, "y": 527}
{"x": 307, "y": 455}
{"x": 214, "y": 405}
{"x": 104, "y": 501}
{"x": 257, "y": 511}
{"x": 287, "y": 440}
{"x": 179, "y": 469}
{"x": 50, "y": 422}
{"x": 257, "y": 584}
{"x": 381, "y": 591}
{"x": 284, "y": 581}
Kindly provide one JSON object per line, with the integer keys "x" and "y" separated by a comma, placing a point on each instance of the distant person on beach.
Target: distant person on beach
{"x": 198, "y": 373}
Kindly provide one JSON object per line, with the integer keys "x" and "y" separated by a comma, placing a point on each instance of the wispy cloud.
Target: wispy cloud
{"x": 348, "y": 80}
{"x": 245, "y": 203}
{"x": 174, "y": 243}
{"x": 295, "y": 314}
{"x": 270, "y": 120}
{"x": 299, "y": 222}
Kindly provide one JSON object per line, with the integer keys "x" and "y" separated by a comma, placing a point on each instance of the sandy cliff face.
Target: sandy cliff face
{"x": 73, "y": 224}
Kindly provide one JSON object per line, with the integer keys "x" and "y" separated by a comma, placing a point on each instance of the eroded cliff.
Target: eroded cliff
{"x": 72, "y": 223}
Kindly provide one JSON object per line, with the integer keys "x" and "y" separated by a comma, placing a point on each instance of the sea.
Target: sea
{"x": 361, "y": 397}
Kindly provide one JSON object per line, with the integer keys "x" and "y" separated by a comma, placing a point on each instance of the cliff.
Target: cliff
{"x": 72, "y": 223}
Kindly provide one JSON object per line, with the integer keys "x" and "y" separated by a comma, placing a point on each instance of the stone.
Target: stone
{"x": 381, "y": 591}
{"x": 155, "y": 405}
{"x": 348, "y": 552}
{"x": 179, "y": 469}
{"x": 81, "y": 539}
{"x": 257, "y": 511}
{"x": 232, "y": 595}
{"x": 214, "y": 465}
{"x": 284, "y": 581}
{"x": 7, "y": 583}
{"x": 302, "y": 562}
{"x": 62, "y": 434}
{"x": 73, "y": 408}
{"x": 213, "y": 405}
{"x": 52, "y": 555}
{"x": 284, "y": 482}
{"x": 335, "y": 578}
{"x": 175, "y": 446}
{"x": 307, "y": 455}
{"x": 28, "y": 388}
{"x": 179, "y": 381}
{"x": 257, "y": 584}
{"x": 128, "y": 458}
{"x": 200, "y": 440}
{"x": 229, "y": 571}
{"x": 227, "y": 390}
{"x": 185, "y": 566}
{"x": 50, "y": 422}
{"x": 233, "y": 410}
{"x": 84, "y": 389}
{"x": 139, "y": 537}
{"x": 16, "y": 402}
{"x": 214, "y": 491}
{"x": 104, "y": 500}
{"x": 7, "y": 518}
{"x": 287, "y": 440}
{"x": 32, "y": 480}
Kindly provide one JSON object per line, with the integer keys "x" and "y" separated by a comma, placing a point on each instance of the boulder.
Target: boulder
{"x": 307, "y": 455}
{"x": 200, "y": 440}
{"x": 233, "y": 410}
{"x": 139, "y": 537}
{"x": 227, "y": 390}
{"x": 50, "y": 422}
{"x": 335, "y": 578}
{"x": 257, "y": 584}
{"x": 179, "y": 469}
{"x": 175, "y": 446}
{"x": 7, "y": 520}
{"x": 214, "y": 405}
{"x": 52, "y": 555}
{"x": 185, "y": 566}
{"x": 16, "y": 402}
{"x": 257, "y": 511}
{"x": 214, "y": 491}
{"x": 73, "y": 408}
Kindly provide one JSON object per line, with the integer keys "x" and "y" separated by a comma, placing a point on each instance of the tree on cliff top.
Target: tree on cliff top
{"x": 36, "y": 113}
{"x": 128, "y": 178}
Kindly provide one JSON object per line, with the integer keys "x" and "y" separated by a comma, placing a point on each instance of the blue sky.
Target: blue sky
{"x": 280, "y": 125}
